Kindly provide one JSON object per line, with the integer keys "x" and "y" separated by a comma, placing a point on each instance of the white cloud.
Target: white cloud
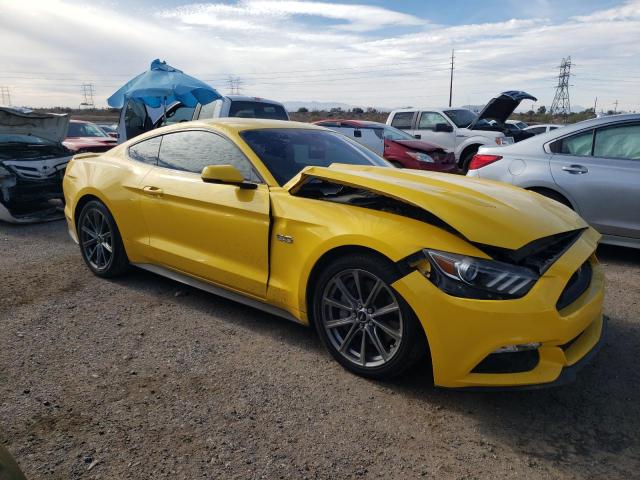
{"x": 254, "y": 13}
{"x": 280, "y": 52}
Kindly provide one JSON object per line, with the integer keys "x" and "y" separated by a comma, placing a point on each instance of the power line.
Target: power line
{"x": 561, "y": 104}
{"x": 5, "y": 93}
{"x": 88, "y": 91}
{"x": 235, "y": 85}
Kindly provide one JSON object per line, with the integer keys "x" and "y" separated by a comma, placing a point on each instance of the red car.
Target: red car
{"x": 400, "y": 148}
{"x": 87, "y": 137}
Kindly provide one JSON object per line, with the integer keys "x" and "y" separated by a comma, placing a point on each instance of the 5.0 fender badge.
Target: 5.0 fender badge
{"x": 284, "y": 238}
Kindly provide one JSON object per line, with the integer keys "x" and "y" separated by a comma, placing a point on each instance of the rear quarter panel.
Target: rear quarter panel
{"x": 114, "y": 180}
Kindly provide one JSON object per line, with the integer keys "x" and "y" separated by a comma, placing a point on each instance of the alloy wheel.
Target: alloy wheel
{"x": 96, "y": 239}
{"x": 362, "y": 318}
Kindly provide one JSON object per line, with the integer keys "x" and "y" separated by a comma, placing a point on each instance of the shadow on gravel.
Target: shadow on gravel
{"x": 589, "y": 428}
{"x": 241, "y": 316}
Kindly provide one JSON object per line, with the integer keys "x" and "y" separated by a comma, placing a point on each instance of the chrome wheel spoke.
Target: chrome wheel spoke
{"x": 373, "y": 335}
{"x": 396, "y": 335}
{"x": 362, "y": 318}
{"x": 341, "y": 286}
{"x": 347, "y": 340}
{"x": 335, "y": 303}
{"x": 340, "y": 322}
{"x": 96, "y": 239}
{"x": 385, "y": 310}
{"x": 374, "y": 293}
{"x": 356, "y": 280}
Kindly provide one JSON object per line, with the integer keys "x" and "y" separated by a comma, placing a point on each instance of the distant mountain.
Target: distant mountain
{"x": 293, "y": 106}
{"x": 313, "y": 105}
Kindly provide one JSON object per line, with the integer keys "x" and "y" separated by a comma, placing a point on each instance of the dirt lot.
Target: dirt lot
{"x": 143, "y": 378}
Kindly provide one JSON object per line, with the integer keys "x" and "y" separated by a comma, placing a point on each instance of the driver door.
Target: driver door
{"x": 426, "y": 128}
{"x": 216, "y": 232}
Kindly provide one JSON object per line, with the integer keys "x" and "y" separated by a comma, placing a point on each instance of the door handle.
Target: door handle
{"x": 154, "y": 191}
{"x": 575, "y": 169}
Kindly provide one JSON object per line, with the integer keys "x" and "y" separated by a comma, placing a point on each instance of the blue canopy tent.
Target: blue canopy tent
{"x": 164, "y": 85}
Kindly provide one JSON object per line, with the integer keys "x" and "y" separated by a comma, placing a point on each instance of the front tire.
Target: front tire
{"x": 100, "y": 241}
{"x": 364, "y": 323}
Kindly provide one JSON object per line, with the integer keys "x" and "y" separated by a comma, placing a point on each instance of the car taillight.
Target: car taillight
{"x": 479, "y": 161}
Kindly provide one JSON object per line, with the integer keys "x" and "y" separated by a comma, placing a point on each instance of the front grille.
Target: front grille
{"x": 577, "y": 285}
{"x": 538, "y": 255}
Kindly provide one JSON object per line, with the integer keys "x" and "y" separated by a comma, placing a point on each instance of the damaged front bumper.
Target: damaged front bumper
{"x": 541, "y": 340}
{"x": 31, "y": 191}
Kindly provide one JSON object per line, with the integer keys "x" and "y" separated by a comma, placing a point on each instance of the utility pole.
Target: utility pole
{"x": 595, "y": 106}
{"x": 451, "y": 78}
{"x": 615, "y": 110}
{"x": 561, "y": 104}
{"x": 235, "y": 85}
{"x": 87, "y": 95}
{"x": 6, "y": 96}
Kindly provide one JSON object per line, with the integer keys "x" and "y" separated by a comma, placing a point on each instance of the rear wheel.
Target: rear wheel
{"x": 100, "y": 242}
{"x": 553, "y": 195}
{"x": 364, "y": 323}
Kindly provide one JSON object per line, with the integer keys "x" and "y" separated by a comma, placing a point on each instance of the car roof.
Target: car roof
{"x": 247, "y": 98}
{"x": 429, "y": 109}
{"x": 79, "y": 121}
{"x": 349, "y": 122}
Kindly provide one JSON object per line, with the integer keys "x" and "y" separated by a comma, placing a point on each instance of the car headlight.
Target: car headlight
{"x": 471, "y": 277}
{"x": 504, "y": 141}
{"x": 421, "y": 157}
{"x": 5, "y": 173}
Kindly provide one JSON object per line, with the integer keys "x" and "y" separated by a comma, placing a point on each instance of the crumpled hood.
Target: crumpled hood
{"x": 418, "y": 145}
{"x": 22, "y": 121}
{"x": 483, "y": 211}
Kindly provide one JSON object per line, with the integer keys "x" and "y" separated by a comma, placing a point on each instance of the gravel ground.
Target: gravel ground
{"x": 143, "y": 378}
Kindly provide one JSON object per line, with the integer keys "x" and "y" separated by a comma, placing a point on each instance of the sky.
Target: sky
{"x": 380, "y": 53}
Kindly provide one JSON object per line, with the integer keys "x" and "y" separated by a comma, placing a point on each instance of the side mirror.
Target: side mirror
{"x": 227, "y": 174}
{"x": 417, "y": 136}
{"x": 444, "y": 127}
{"x": 357, "y": 133}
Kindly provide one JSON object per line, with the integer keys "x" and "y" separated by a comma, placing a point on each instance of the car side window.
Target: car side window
{"x": 580, "y": 144}
{"x": 402, "y": 120}
{"x": 429, "y": 120}
{"x": 146, "y": 151}
{"x": 206, "y": 111}
{"x": 619, "y": 141}
{"x": 192, "y": 150}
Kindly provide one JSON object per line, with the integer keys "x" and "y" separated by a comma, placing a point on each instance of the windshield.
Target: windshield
{"x": 392, "y": 133}
{"x": 26, "y": 139}
{"x": 245, "y": 109}
{"x": 85, "y": 130}
{"x": 462, "y": 117}
{"x": 286, "y": 151}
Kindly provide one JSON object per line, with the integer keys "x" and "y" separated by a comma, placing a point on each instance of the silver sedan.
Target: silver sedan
{"x": 592, "y": 167}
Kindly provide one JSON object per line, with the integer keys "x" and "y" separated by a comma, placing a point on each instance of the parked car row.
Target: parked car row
{"x": 592, "y": 167}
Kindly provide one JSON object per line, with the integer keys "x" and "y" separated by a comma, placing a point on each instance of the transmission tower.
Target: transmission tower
{"x": 235, "y": 85}
{"x": 5, "y": 93}
{"x": 561, "y": 104}
{"x": 87, "y": 95}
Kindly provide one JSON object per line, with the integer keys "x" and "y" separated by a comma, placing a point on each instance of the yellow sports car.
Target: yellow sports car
{"x": 498, "y": 286}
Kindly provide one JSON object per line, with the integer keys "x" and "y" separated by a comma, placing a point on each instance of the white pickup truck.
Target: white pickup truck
{"x": 458, "y": 129}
